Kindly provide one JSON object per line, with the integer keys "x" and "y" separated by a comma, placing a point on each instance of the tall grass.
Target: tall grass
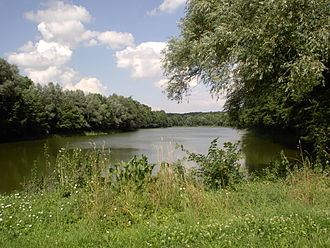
{"x": 86, "y": 202}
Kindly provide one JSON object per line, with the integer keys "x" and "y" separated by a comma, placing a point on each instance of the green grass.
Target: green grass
{"x": 167, "y": 211}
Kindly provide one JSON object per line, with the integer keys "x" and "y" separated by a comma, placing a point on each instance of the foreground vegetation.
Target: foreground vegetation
{"x": 79, "y": 205}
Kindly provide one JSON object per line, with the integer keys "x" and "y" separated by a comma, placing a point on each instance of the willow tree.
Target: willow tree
{"x": 271, "y": 57}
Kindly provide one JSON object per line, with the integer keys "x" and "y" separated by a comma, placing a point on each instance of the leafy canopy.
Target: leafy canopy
{"x": 271, "y": 57}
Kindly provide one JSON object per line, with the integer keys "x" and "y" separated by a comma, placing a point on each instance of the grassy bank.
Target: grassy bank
{"x": 77, "y": 206}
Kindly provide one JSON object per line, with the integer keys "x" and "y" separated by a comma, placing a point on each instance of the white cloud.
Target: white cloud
{"x": 62, "y": 29}
{"x": 58, "y": 12}
{"x": 168, "y": 6}
{"x": 111, "y": 39}
{"x": 143, "y": 60}
{"x": 115, "y": 40}
{"x": 43, "y": 76}
{"x": 68, "y": 75}
{"x": 41, "y": 55}
{"x": 64, "y": 32}
{"x": 163, "y": 83}
{"x": 61, "y": 22}
{"x": 89, "y": 85}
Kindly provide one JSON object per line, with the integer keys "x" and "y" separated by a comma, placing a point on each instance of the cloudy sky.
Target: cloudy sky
{"x": 98, "y": 46}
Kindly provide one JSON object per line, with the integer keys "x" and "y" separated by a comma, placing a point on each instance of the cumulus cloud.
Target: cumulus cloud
{"x": 61, "y": 22}
{"x": 41, "y": 55}
{"x": 168, "y": 6}
{"x": 143, "y": 60}
{"x": 41, "y": 76}
{"x": 69, "y": 75}
{"x": 88, "y": 85}
{"x": 111, "y": 39}
{"x": 62, "y": 29}
{"x": 59, "y": 11}
{"x": 64, "y": 23}
{"x": 63, "y": 32}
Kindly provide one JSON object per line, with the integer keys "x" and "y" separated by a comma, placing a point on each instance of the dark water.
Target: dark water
{"x": 17, "y": 158}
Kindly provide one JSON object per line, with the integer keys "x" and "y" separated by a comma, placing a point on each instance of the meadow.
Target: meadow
{"x": 82, "y": 202}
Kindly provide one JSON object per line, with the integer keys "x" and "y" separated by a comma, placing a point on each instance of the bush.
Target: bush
{"x": 220, "y": 168}
{"x": 137, "y": 171}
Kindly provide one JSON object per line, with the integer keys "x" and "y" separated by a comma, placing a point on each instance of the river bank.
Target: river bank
{"x": 285, "y": 213}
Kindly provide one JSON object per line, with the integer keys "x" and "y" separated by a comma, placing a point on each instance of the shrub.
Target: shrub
{"x": 220, "y": 168}
{"x": 137, "y": 171}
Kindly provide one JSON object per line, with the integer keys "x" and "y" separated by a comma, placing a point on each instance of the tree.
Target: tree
{"x": 71, "y": 116}
{"x": 20, "y": 105}
{"x": 271, "y": 57}
{"x": 52, "y": 98}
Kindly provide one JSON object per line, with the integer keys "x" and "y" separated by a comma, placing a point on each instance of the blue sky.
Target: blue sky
{"x": 99, "y": 46}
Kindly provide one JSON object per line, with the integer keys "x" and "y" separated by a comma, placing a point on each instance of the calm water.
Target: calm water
{"x": 17, "y": 158}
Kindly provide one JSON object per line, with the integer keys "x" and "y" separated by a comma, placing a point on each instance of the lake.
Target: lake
{"x": 18, "y": 158}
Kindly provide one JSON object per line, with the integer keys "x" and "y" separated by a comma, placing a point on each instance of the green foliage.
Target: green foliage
{"x": 198, "y": 119}
{"x": 271, "y": 57}
{"x": 280, "y": 213}
{"x": 137, "y": 171}
{"x": 279, "y": 168}
{"x": 220, "y": 168}
{"x": 31, "y": 110}
{"x": 20, "y": 108}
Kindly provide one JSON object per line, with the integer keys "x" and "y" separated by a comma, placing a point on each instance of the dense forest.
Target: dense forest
{"x": 30, "y": 110}
{"x": 270, "y": 57}
{"x": 198, "y": 119}
{"x": 27, "y": 109}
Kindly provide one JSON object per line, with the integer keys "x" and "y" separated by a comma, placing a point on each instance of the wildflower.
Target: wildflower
{"x": 1, "y": 219}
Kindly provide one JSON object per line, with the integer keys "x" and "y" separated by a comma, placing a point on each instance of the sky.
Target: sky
{"x": 98, "y": 46}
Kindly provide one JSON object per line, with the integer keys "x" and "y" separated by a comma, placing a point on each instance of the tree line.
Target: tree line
{"x": 29, "y": 110}
{"x": 270, "y": 57}
{"x": 198, "y": 119}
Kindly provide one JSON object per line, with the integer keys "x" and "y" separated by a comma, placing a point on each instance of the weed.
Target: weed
{"x": 220, "y": 168}
{"x": 136, "y": 171}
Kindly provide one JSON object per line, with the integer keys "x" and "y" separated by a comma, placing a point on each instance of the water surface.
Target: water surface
{"x": 17, "y": 158}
